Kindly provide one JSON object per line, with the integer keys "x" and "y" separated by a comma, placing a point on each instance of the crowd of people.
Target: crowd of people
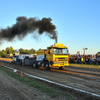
{"x": 84, "y": 59}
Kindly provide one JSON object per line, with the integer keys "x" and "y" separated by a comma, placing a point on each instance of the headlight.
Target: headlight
{"x": 66, "y": 62}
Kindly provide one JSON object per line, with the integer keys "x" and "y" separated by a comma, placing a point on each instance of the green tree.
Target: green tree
{"x": 22, "y": 51}
{"x": 28, "y": 51}
{"x": 0, "y": 53}
{"x": 33, "y": 51}
{"x": 3, "y": 54}
{"x": 9, "y": 50}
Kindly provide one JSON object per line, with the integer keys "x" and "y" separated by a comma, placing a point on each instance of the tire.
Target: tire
{"x": 14, "y": 62}
{"x": 20, "y": 63}
{"x": 47, "y": 66}
{"x": 43, "y": 64}
{"x": 61, "y": 68}
{"x": 35, "y": 65}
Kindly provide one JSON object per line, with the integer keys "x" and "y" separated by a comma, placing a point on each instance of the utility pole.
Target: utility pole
{"x": 84, "y": 50}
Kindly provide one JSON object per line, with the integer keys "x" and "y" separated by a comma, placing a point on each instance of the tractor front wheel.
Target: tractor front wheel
{"x": 47, "y": 66}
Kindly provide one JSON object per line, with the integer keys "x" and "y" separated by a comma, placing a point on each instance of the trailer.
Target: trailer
{"x": 23, "y": 59}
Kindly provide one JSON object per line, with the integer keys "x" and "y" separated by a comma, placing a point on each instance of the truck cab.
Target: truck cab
{"x": 57, "y": 56}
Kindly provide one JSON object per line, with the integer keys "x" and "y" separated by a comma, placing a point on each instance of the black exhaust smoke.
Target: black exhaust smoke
{"x": 55, "y": 40}
{"x": 25, "y": 26}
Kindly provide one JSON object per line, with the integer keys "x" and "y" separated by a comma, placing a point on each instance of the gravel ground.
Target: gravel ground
{"x": 18, "y": 91}
{"x": 11, "y": 89}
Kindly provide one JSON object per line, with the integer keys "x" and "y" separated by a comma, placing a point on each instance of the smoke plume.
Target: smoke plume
{"x": 25, "y": 26}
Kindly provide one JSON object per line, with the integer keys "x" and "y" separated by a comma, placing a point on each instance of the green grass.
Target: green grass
{"x": 33, "y": 83}
{"x": 84, "y": 66}
{"x": 29, "y": 82}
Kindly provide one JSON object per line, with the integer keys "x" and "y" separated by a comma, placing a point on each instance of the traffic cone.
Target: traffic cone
{"x": 97, "y": 68}
{"x": 21, "y": 73}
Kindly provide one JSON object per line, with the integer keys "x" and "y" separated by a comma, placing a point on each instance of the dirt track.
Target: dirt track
{"x": 87, "y": 83}
{"x": 11, "y": 89}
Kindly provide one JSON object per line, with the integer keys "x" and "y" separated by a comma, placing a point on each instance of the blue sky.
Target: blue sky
{"x": 77, "y": 23}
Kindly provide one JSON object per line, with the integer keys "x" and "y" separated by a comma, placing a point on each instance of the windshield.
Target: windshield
{"x": 60, "y": 51}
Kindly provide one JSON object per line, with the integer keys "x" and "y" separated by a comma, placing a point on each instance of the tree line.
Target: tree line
{"x": 10, "y": 50}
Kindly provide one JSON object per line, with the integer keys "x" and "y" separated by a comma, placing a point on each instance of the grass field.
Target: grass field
{"x": 84, "y": 66}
